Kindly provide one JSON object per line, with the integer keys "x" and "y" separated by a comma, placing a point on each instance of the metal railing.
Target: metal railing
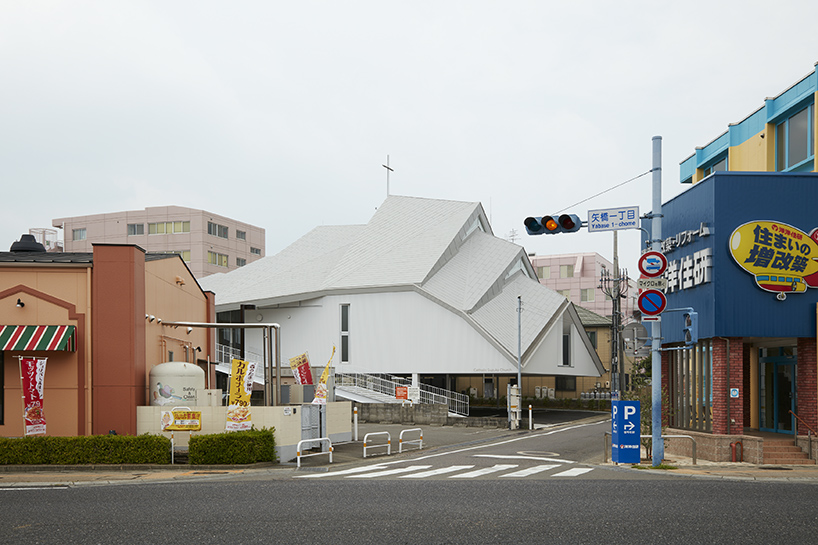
{"x": 418, "y": 442}
{"x": 388, "y": 443}
{"x": 225, "y": 355}
{"x": 385, "y": 384}
{"x": 608, "y": 434}
{"x": 299, "y": 454}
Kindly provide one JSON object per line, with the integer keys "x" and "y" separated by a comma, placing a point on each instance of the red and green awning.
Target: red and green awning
{"x": 38, "y": 337}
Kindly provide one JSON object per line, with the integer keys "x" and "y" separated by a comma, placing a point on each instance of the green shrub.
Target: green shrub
{"x": 239, "y": 447}
{"x": 91, "y": 449}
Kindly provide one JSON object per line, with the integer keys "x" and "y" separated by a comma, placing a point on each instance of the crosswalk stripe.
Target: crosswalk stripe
{"x": 341, "y": 472}
{"x": 574, "y": 472}
{"x": 531, "y": 471}
{"x": 484, "y": 471}
{"x": 388, "y": 472}
{"x": 433, "y": 472}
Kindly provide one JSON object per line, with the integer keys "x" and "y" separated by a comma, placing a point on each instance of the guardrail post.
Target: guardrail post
{"x": 356, "y": 423}
{"x": 418, "y": 441}
{"x": 298, "y": 454}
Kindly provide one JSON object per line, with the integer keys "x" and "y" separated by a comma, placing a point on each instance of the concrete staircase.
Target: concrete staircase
{"x": 784, "y": 452}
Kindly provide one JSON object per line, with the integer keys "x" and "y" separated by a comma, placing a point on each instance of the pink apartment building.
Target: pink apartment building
{"x": 576, "y": 277}
{"x": 207, "y": 242}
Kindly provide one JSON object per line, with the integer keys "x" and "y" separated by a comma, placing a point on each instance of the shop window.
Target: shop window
{"x": 795, "y": 141}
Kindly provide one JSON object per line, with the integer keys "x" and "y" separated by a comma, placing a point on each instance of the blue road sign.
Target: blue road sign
{"x": 626, "y": 430}
{"x": 651, "y": 302}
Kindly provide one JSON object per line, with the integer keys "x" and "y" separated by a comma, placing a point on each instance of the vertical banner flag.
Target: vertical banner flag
{"x": 241, "y": 386}
{"x": 321, "y": 388}
{"x": 32, "y": 373}
{"x": 301, "y": 369}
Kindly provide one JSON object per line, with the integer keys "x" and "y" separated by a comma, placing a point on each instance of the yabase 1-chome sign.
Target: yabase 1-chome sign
{"x": 782, "y": 258}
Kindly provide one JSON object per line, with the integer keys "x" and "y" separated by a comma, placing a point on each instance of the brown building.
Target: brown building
{"x": 113, "y": 301}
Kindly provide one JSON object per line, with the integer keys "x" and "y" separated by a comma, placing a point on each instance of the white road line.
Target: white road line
{"x": 388, "y": 472}
{"x": 484, "y": 471}
{"x": 523, "y": 438}
{"x": 574, "y": 472}
{"x": 530, "y": 471}
{"x": 519, "y": 457}
{"x": 342, "y": 472}
{"x": 433, "y": 472}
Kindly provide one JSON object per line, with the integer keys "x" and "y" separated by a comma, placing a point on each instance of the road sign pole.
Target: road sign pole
{"x": 656, "y": 327}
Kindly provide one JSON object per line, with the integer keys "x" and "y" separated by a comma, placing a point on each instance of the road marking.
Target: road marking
{"x": 484, "y": 471}
{"x": 531, "y": 471}
{"x": 342, "y": 472}
{"x": 574, "y": 472}
{"x": 433, "y": 472}
{"x": 388, "y": 472}
{"x": 518, "y": 457}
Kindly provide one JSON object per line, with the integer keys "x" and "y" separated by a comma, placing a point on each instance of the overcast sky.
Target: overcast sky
{"x": 281, "y": 114}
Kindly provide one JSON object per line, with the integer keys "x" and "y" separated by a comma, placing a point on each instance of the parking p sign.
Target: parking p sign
{"x": 626, "y": 429}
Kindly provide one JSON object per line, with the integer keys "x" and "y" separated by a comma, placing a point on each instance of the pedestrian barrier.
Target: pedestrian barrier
{"x": 608, "y": 434}
{"x": 388, "y": 444}
{"x": 298, "y": 454}
{"x": 419, "y": 442}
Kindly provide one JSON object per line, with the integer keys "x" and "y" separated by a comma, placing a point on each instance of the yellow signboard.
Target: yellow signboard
{"x": 782, "y": 258}
{"x": 183, "y": 420}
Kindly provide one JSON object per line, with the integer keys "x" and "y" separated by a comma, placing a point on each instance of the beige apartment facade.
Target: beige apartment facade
{"x": 208, "y": 243}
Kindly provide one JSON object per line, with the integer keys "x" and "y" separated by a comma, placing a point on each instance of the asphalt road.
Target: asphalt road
{"x": 411, "y": 511}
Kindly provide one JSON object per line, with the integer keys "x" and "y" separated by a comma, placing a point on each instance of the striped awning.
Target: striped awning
{"x": 38, "y": 337}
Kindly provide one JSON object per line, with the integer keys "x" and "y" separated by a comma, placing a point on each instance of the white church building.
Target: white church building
{"x": 423, "y": 289}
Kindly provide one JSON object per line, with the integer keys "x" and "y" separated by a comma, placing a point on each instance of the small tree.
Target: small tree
{"x": 642, "y": 391}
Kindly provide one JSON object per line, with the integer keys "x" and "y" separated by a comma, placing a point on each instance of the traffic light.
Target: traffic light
{"x": 691, "y": 328}
{"x": 550, "y": 225}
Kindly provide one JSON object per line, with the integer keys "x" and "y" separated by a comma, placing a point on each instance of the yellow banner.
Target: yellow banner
{"x": 321, "y": 387}
{"x": 241, "y": 386}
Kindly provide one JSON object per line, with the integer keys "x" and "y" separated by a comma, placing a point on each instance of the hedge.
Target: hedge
{"x": 91, "y": 449}
{"x": 239, "y": 447}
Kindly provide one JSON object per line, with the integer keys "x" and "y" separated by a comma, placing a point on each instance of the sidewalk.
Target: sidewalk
{"x": 434, "y": 438}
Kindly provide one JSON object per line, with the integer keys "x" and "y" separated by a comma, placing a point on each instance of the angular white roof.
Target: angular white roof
{"x": 443, "y": 250}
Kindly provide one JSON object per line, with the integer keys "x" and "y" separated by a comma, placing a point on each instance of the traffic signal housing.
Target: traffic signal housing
{"x": 551, "y": 225}
{"x": 691, "y": 328}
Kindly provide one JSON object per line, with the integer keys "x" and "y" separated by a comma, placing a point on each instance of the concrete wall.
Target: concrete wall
{"x": 285, "y": 420}
{"x": 715, "y": 448}
{"x": 395, "y": 413}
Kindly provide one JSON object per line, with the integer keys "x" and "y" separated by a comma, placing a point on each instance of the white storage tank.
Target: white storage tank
{"x": 175, "y": 383}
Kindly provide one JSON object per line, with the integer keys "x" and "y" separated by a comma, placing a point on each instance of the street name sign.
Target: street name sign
{"x": 613, "y": 219}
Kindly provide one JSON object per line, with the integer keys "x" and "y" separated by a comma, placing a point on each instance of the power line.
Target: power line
{"x": 609, "y": 189}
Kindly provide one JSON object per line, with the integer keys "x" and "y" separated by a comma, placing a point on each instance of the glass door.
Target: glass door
{"x": 777, "y": 367}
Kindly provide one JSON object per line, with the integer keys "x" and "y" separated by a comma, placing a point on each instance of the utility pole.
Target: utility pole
{"x": 615, "y": 286}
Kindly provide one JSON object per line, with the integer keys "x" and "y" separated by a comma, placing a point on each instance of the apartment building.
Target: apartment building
{"x": 208, "y": 243}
